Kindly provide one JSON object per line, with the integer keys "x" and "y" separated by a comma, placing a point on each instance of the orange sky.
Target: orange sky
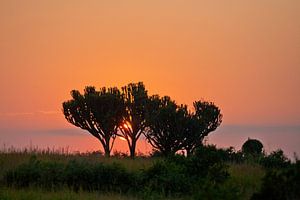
{"x": 242, "y": 55}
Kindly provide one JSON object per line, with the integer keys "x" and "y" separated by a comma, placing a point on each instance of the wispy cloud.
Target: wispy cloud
{"x": 13, "y": 114}
{"x": 17, "y": 114}
{"x": 49, "y": 112}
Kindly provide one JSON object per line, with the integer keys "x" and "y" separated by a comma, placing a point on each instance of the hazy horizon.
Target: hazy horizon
{"x": 75, "y": 139}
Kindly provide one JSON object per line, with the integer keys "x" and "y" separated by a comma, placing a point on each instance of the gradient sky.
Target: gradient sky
{"x": 242, "y": 55}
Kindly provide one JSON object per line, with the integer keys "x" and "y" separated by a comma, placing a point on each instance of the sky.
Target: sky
{"x": 242, "y": 55}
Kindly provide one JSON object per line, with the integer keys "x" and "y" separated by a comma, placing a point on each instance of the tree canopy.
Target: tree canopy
{"x": 98, "y": 112}
{"x": 130, "y": 113}
{"x": 206, "y": 118}
{"x": 173, "y": 127}
{"x": 166, "y": 125}
{"x": 134, "y": 123}
{"x": 252, "y": 147}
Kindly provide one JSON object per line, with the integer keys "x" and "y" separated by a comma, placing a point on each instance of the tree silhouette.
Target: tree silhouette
{"x": 166, "y": 121}
{"x": 252, "y": 147}
{"x": 134, "y": 124}
{"x": 98, "y": 112}
{"x": 206, "y": 118}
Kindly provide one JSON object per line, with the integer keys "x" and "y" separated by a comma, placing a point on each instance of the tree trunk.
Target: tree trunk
{"x": 132, "y": 149}
{"x": 107, "y": 151}
{"x": 189, "y": 152}
{"x": 106, "y": 147}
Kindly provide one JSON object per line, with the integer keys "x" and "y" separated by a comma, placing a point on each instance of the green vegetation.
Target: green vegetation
{"x": 210, "y": 173}
{"x": 64, "y": 194}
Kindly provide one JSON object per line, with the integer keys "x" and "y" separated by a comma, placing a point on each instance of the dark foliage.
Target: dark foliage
{"x": 134, "y": 123}
{"x": 252, "y": 147}
{"x": 174, "y": 176}
{"x": 167, "y": 126}
{"x": 283, "y": 184}
{"x": 179, "y": 175}
{"x": 98, "y": 112}
{"x": 208, "y": 161}
{"x": 166, "y": 121}
{"x": 172, "y": 127}
{"x": 167, "y": 178}
{"x": 206, "y": 118}
{"x": 75, "y": 174}
{"x": 36, "y": 173}
{"x": 275, "y": 159}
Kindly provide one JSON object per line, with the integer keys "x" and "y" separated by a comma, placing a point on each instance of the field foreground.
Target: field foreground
{"x": 157, "y": 178}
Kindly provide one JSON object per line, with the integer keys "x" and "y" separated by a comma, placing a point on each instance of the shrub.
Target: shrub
{"x": 281, "y": 184}
{"x": 207, "y": 161}
{"x": 78, "y": 175}
{"x": 36, "y": 173}
{"x": 75, "y": 174}
{"x": 166, "y": 178}
{"x": 252, "y": 147}
{"x": 113, "y": 177}
{"x": 276, "y": 159}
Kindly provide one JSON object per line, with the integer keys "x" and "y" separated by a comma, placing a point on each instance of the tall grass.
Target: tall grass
{"x": 64, "y": 194}
{"x": 244, "y": 180}
{"x": 247, "y": 177}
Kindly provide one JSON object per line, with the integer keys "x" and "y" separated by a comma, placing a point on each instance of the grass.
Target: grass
{"x": 246, "y": 177}
{"x": 64, "y": 194}
{"x": 13, "y": 159}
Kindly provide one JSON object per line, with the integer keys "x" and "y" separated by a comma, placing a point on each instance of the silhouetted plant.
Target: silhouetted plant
{"x": 167, "y": 178}
{"x": 252, "y": 147}
{"x": 47, "y": 175}
{"x": 174, "y": 128}
{"x": 275, "y": 159}
{"x": 283, "y": 184}
{"x": 133, "y": 119}
{"x": 166, "y": 121}
{"x": 206, "y": 118}
{"x": 180, "y": 175}
{"x": 98, "y": 112}
{"x": 207, "y": 161}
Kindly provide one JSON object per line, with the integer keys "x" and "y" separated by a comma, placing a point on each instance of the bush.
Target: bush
{"x": 281, "y": 184}
{"x": 166, "y": 178}
{"x": 207, "y": 162}
{"x": 182, "y": 176}
{"x": 202, "y": 173}
{"x": 75, "y": 174}
{"x": 252, "y": 147}
{"x": 113, "y": 177}
{"x": 276, "y": 159}
{"x": 78, "y": 175}
{"x": 36, "y": 173}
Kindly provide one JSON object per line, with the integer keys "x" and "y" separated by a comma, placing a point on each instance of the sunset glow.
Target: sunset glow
{"x": 126, "y": 125}
{"x": 241, "y": 55}
{"x": 122, "y": 138}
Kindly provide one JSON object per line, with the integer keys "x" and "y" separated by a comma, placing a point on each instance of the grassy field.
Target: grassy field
{"x": 247, "y": 177}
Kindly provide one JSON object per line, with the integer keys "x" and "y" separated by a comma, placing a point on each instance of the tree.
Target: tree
{"x": 98, "y": 112}
{"x": 166, "y": 121}
{"x": 252, "y": 147}
{"x": 206, "y": 118}
{"x": 134, "y": 123}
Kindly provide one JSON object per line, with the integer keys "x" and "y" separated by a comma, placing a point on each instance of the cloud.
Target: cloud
{"x": 49, "y": 112}
{"x": 259, "y": 129}
{"x": 13, "y": 114}
{"x": 17, "y": 114}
